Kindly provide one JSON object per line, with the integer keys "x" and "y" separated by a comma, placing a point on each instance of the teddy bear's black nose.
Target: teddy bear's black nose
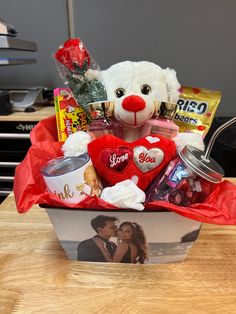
{"x": 133, "y": 103}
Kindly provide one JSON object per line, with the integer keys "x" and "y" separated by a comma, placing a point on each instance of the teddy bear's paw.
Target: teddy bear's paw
{"x": 76, "y": 144}
{"x": 194, "y": 139}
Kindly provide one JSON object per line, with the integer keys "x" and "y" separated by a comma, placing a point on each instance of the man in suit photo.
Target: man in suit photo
{"x": 105, "y": 228}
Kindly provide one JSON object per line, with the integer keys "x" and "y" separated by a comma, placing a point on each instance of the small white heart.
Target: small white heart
{"x": 152, "y": 140}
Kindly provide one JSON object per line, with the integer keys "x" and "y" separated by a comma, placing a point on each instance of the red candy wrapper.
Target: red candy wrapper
{"x": 29, "y": 187}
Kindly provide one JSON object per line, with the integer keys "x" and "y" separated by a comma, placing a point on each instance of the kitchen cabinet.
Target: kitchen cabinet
{"x": 15, "y": 142}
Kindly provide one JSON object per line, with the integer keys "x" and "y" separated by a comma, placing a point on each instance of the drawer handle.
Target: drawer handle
{"x": 6, "y": 179}
{"x": 14, "y": 136}
{"x": 2, "y": 192}
{"x": 8, "y": 164}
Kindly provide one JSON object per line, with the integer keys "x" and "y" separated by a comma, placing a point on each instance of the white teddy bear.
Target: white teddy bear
{"x": 139, "y": 79}
{"x": 137, "y": 89}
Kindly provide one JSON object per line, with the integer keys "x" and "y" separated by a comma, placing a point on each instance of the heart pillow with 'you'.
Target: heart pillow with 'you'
{"x": 116, "y": 160}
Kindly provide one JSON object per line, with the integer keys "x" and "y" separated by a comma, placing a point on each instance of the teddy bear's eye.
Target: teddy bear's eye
{"x": 119, "y": 92}
{"x": 145, "y": 89}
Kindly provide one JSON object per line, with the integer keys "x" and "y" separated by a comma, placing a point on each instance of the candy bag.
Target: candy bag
{"x": 70, "y": 116}
{"x": 196, "y": 109}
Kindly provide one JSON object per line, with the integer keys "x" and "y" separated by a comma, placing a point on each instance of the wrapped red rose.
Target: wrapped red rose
{"x": 73, "y": 63}
{"x": 73, "y": 54}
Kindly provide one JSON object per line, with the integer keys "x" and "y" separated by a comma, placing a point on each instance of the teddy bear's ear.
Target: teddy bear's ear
{"x": 172, "y": 84}
{"x": 93, "y": 74}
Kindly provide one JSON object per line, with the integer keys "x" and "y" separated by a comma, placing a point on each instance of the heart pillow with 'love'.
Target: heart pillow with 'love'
{"x": 116, "y": 160}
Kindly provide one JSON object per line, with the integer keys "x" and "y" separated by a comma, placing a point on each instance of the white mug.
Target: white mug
{"x": 68, "y": 177}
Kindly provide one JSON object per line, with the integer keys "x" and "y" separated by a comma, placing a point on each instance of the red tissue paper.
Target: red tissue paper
{"x": 29, "y": 187}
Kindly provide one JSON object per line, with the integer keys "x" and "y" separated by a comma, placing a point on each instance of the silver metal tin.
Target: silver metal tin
{"x": 62, "y": 165}
{"x": 207, "y": 168}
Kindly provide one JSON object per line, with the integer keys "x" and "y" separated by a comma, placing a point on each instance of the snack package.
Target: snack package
{"x": 196, "y": 109}
{"x": 69, "y": 115}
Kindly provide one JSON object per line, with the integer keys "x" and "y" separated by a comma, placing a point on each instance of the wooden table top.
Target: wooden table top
{"x": 36, "y": 277}
{"x": 39, "y": 114}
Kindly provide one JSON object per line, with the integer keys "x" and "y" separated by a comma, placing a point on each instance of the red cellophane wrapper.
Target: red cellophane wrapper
{"x": 29, "y": 187}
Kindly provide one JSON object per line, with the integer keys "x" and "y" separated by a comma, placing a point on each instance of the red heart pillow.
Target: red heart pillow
{"x": 116, "y": 160}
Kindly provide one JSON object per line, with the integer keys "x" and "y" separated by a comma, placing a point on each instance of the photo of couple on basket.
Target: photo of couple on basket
{"x": 131, "y": 246}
